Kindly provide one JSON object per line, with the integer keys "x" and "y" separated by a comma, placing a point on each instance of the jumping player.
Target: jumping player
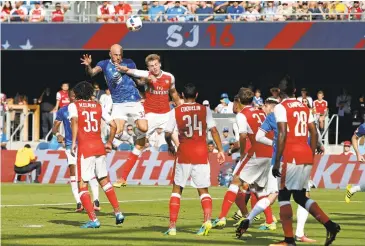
{"x": 86, "y": 117}
{"x": 192, "y": 121}
{"x": 158, "y": 86}
{"x": 351, "y": 190}
{"x": 63, "y": 117}
{"x": 125, "y": 95}
{"x": 294, "y": 121}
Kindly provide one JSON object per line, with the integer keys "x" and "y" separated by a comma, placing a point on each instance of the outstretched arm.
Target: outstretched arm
{"x": 86, "y": 60}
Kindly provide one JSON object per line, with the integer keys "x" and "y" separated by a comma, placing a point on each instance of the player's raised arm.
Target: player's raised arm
{"x": 86, "y": 60}
{"x": 215, "y": 135}
{"x": 282, "y": 124}
{"x": 170, "y": 126}
{"x": 72, "y": 110}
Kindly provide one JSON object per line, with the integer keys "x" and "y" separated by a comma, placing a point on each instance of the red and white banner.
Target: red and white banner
{"x": 153, "y": 168}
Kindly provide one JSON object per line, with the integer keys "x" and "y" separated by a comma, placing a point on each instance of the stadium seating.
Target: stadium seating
{"x": 124, "y": 147}
{"x": 163, "y": 148}
{"x": 43, "y": 146}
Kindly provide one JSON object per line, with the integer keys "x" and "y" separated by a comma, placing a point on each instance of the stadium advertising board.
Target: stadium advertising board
{"x": 161, "y": 36}
{"x": 329, "y": 171}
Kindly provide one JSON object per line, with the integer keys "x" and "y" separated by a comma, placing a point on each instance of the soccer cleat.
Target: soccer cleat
{"x": 267, "y": 227}
{"x": 242, "y": 228}
{"x": 237, "y": 215}
{"x": 239, "y": 222}
{"x": 283, "y": 243}
{"x": 204, "y": 229}
{"x": 274, "y": 219}
{"x": 257, "y": 217}
{"x": 79, "y": 207}
{"x": 97, "y": 205}
{"x": 331, "y": 235}
{"x": 219, "y": 223}
{"x": 119, "y": 218}
{"x": 120, "y": 183}
{"x": 91, "y": 224}
{"x": 349, "y": 194}
{"x": 305, "y": 239}
{"x": 170, "y": 232}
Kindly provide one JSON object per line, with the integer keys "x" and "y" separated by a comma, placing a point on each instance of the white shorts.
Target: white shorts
{"x": 294, "y": 177}
{"x": 239, "y": 166}
{"x": 71, "y": 160}
{"x": 93, "y": 166}
{"x": 271, "y": 186}
{"x": 156, "y": 121}
{"x": 255, "y": 171}
{"x": 123, "y": 111}
{"x": 199, "y": 173}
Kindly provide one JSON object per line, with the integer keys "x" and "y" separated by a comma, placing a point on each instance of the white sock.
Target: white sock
{"x": 260, "y": 206}
{"x": 94, "y": 185}
{"x": 355, "y": 188}
{"x": 75, "y": 189}
{"x": 302, "y": 215}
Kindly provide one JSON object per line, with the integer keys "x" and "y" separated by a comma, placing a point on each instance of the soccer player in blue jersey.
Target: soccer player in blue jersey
{"x": 351, "y": 190}
{"x": 63, "y": 117}
{"x": 125, "y": 96}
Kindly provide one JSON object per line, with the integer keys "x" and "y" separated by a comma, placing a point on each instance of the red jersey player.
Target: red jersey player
{"x": 294, "y": 121}
{"x": 62, "y": 97}
{"x": 85, "y": 118}
{"x": 159, "y": 86}
{"x": 192, "y": 121}
{"x": 320, "y": 107}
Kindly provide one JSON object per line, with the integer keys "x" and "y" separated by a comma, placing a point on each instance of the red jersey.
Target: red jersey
{"x": 4, "y": 13}
{"x": 36, "y": 14}
{"x": 104, "y": 11}
{"x": 192, "y": 121}
{"x": 320, "y": 106}
{"x": 62, "y": 96}
{"x": 297, "y": 116}
{"x": 89, "y": 114}
{"x": 249, "y": 120}
{"x": 157, "y": 94}
{"x": 57, "y": 16}
{"x": 121, "y": 10}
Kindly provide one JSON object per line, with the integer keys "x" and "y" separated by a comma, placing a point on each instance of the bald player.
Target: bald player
{"x": 125, "y": 96}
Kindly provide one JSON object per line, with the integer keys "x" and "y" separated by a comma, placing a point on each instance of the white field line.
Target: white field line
{"x": 131, "y": 201}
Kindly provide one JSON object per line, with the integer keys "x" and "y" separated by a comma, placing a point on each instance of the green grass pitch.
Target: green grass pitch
{"x": 49, "y": 218}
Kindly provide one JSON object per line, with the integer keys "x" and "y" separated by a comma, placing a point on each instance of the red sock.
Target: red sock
{"x": 228, "y": 200}
{"x": 112, "y": 197}
{"x": 130, "y": 162}
{"x": 253, "y": 200}
{"x": 241, "y": 202}
{"x": 317, "y": 212}
{"x": 87, "y": 204}
{"x": 174, "y": 209}
{"x": 286, "y": 217}
{"x": 206, "y": 201}
{"x": 268, "y": 215}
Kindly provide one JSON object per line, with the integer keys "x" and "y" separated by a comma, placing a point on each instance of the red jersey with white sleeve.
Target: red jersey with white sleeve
{"x": 320, "y": 106}
{"x": 249, "y": 120}
{"x": 192, "y": 121}
{"x": 62, "y": 96}
{"x": 297, "y": 116}
{"x": 89, "y": 115}
{"x": 157, "y": 93}
{"x": 36, "y": 14}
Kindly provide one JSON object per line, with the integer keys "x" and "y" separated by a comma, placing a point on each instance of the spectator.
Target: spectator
{"x": 275, "y": 93}
{"x": 58, "y": 14}
{"x": 105, "y": 12}
{"x": 25, "y": 162}
{"x": 251, "y": 14}
{"x": 320, "y": 9}
{"x": 157, "y": 139}
{"x": 156, "y": 11}
{"x": 343, "y": 103}
{"x": 226, "y": 106}
{"x": 19, "y": 12}
{"x": 46, "y": 106}
{"x": 234, "y": 11}
{"x": 3, "y": 108}
{"x": 3, "y": 139}
{"x": 5, "y": 11}
{"x": 220, "y": 8}
{"x": 284, "y": 12}
{"x": 143, "y": 13}
{"x": 304, "y": 94}
{"x": 257, "y": 99}
{"x": 211, "y": 148}
{"x": 123, "y": 11}
{"x": 175, "y": 13}
{"x": 206, "y": 104}
{"x": 62, "y": 98}
{"x": 341, "y": 9}
{"x": 190, "y": 5}
{"x": 20, "y": 99}
{"x": 359, "y": 110}
{"x": 37, "y": 14}
{"x": 332, "y": 11}
{"x": 355, "y": 11}
{"x": 303, "y": 11}
{"x": 128, "y": 137}
{"x": 97, "y": 92}
{"x": 269, "y": 11}
{"x": 204, "y": 13}
{"x": 320, "y": 107}
{"x": 232, "y": 143}
{"x": 225, "y": 138}
{"x": 347, "y": 148}
{"x": 106, "y": 101}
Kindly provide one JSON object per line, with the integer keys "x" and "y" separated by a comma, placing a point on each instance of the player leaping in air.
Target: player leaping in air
{"x": 158, "y": 86}
{"x": 293, "y": 163}
{"x": 125, "y": 95}
{"x": 86, "y": 118}
{"x": 63, "y": 117}
{"x": 192, "y": 121}
{"x": 351, "y": 190}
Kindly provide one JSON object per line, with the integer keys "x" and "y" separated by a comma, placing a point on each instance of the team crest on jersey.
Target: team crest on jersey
{"x": 166, "y": 81}
{"x": 117, "y": 78}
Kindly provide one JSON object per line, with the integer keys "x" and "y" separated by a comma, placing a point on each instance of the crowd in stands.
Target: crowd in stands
{"x": 172, "y": 11}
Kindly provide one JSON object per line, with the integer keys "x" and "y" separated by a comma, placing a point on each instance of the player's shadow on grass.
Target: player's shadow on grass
{"x": 66, "y": 222}
{"x": 98, "y": 213}
{"x": 349, "y": 215}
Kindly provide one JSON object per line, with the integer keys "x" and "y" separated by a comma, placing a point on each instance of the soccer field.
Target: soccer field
{"x": 44, "y": 215}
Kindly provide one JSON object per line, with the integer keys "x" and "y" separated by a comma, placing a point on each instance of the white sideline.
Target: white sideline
{"x": 130, "y": 201}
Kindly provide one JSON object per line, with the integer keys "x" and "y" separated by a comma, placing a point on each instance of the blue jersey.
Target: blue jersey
{"x": 62, "y": 115}
{"x": 270, "y": 125}
{"x": 121, "y": 86}
{"x": 360, "y": 131}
